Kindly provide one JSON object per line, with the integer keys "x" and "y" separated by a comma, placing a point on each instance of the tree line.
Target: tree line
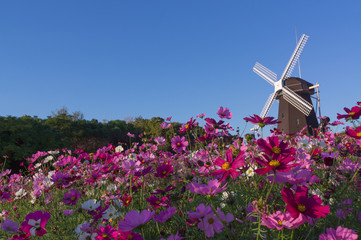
{"x": 20, "y": 137}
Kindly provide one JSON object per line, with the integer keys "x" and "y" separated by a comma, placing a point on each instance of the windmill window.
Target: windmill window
{"x": 283, "y": 115}
{"x": 297, "y": 121}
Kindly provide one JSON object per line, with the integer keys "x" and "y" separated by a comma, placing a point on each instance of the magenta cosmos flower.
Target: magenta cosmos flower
{"x": 272, "y": 146}
{"x": 339, "y": 234}
{"x": 133, "y": 219}
{"x": 224, "y": 113}
{"x": 228, "y": 167}
{"x": 354, "y": 113}
{"x": 35, "y": 222}
{"x": 355, "y": 133}
{"x": 300, "y": 203}
{"x": 261, "y": 121}
{"x": 179, "y": 144}
{"x": 280, "y": 164}
{"x": 211, "y": 223}
{"x": 71, "y": 197}
{"x": 212, "y": 188}
{"x": 106, "y": 233}
{"x": 188, "y": 125}
{"x": 164, "y": 170}
{"x": 165, "y": 215}
{"x": 280, "y": 220}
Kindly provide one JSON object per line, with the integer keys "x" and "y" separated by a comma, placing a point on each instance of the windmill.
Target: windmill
{"x": 294, "y": 95}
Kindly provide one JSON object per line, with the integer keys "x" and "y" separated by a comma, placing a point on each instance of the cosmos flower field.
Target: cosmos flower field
{"x": 277, "y": 187}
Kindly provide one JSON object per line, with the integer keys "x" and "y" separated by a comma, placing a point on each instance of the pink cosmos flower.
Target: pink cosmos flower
{"x": 210, "y": 224}
{"x": 71, "y": 197}
{"x": 355, "y": 133}
{"x": 273, "y": 147}
{"x": 212, "y": 188}
{"x": 296, "y": 175}
{"x": 224, "y": 113}
{"x": 209, "y": 129}
{"x": 301, "y": 204}
{"x": 201, "y": 115}
{"x": 179, "y": 144}
{"x": 131, "y": 167}
{"x": 339, "y": 234}
{"x": 159, "y": 140}
{"x": 129, "y": 235}
{"x": 215, "y": 124}
{"x": 228, "y": 167}
{"x": 106, "y": 233}
{"x": 35, "y": 222}
{"x": 9, "y": 226}
{"x": 201, "y": 211}
{"x": 280, "y": 220}
{"x": 188, "y": 125}
{"x": 163, "y": 216}
{"x": 165, "y": 125}
{"x": 354, "y": 113}
{"x": 280, "y": 164}
{"x": 164, "y": 170}
{"x": 133, "y": 219}
{"x": 68, "y": 212}
{"x": 345, "y": 209}
{"x": 156, "y": 202}
{"x": 169, "y": 118}
{"x": 130, "y": 135}
{"x": 261, "y": 121}
{"x": 173, "y": 237}
{"x": 60, "y": 178}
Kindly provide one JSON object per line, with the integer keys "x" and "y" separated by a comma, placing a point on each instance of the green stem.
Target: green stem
{"x": 259, "y": 226}
{"x": 273, "y": 182}
{"x": 223, "y": 222}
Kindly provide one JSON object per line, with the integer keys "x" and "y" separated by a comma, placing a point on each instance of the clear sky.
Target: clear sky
{"x": 113, "y": 59}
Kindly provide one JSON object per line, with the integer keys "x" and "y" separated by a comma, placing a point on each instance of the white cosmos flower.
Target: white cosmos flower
{"x": 250, "y": 171}
{"x": 48, "y": 158}
{"x": 119, "y": 149}
{"x": 35, "y": 224}
{"x": 90, "y": 205}
{"x": 111, "y": 212}
{"x": 37, "y": 165}
{"x": 112, "y": 187}
{"x": 20, "y": 194}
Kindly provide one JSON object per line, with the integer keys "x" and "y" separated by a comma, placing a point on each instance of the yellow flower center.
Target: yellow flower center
{"x": 276, "y": 150}
{"x": 274, "y": 163}
{"x": 280, "y": 222}
{"x": 130, "y": 236}
{"x": 210, "y": 221}
{"x": 358, "y": 134}
{"x": 225, "y": 166}
{"x": 157, "y": 202}
{"x": 72, "y": 198}
{"x": 345, "y": 208}
{"x": 132, "y": 168}
{"x": 351, "y": 113}
{"x": 164, "y": 172}
{"x": 301, "y": 208}
{"x": 104, "y": 235}
{"x": 178, "y": 144}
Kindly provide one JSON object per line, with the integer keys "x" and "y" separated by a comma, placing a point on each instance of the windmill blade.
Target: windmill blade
{"x": 265, "y": 73}
{"x": 294, "y": 58}
{"x": 298, "y": 102}
{"x": 266, "y": 108}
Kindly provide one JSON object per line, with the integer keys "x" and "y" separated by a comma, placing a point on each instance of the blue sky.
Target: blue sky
{"x": 113, "y": 59}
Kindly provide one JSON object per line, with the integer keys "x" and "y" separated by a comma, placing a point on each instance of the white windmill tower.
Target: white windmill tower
{"x": 295, "y": 109}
